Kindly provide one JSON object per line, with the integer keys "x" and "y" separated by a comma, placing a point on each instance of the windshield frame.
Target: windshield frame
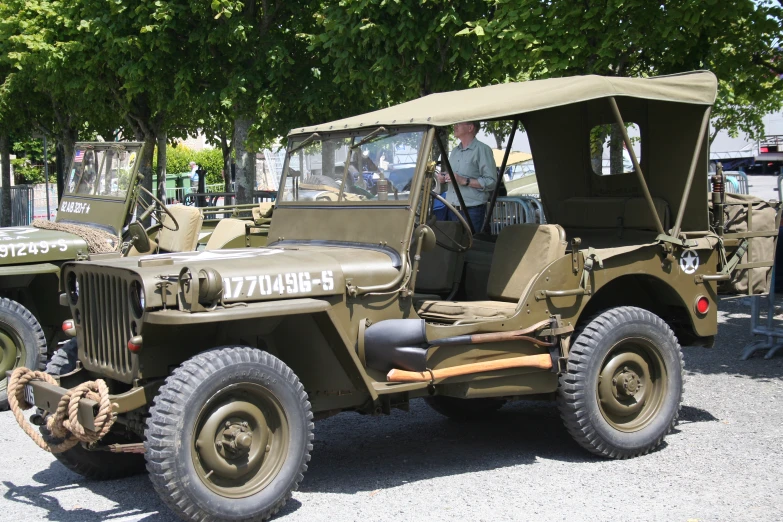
{"x": 355, "y": 134}
{"x": 110, "y": 213}
{"x": 95, "y": 148}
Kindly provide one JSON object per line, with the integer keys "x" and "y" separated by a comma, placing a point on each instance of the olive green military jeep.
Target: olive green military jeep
{"x": 217, "y": 363}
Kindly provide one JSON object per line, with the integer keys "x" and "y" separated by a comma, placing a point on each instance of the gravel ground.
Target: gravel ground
{"x": 720, "y": 463}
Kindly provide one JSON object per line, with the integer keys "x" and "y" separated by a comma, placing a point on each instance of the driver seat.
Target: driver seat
{"x": 185, "y": 239}
{"x": 521, "y": 253}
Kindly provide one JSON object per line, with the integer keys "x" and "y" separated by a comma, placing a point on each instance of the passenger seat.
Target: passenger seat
{"x": 521, "y": 253}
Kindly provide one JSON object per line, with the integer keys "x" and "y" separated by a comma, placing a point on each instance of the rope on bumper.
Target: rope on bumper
{"x": 64, "y": 423}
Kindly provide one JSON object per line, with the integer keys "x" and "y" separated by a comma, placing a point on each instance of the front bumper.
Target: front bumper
{"x": 47, "y": 396}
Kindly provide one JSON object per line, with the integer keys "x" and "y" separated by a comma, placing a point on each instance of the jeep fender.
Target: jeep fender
{"x": 637, "y": 277}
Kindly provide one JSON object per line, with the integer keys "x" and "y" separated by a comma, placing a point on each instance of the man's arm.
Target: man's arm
{"x": 488, "y": 172}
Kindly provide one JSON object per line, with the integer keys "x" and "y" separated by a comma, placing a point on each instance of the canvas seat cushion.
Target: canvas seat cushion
{"x": 226, "y": 230}
{"x": 185, "y": 238}
{"x": 521, "y": 253}
{"x": 466, "y": 310}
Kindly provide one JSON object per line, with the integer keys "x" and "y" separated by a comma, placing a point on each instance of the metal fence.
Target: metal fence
{"x": 179, "y": 193}
{"x": 21, "y": 208}
{"x": 516, "y": 210}
{"x": 39, "y": 201}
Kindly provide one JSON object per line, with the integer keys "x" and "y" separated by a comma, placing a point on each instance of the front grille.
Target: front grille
{"x": 105, "y": 309}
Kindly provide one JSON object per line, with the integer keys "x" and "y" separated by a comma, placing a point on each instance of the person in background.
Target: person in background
{"x": 474, "y": 170}
{"x": 193, "y": 176}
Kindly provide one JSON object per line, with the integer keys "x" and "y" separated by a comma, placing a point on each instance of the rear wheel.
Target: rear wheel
{"x": 229, "y": 436}
{"x": 102, "y": 465}
{"x": 22, "y": 343}
{"x": 464, "y": 409}
{"x": 622, "y": 390}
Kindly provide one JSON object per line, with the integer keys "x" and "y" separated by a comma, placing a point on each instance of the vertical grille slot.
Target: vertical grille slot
{"x": 105, "y": 309}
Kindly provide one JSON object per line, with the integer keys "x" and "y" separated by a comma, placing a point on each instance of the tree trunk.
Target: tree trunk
{"x": 616, "y": 150}
{"x": 597, "y": 137}
{"x": 161, "y": 170}
{"x": 68, "y": 142}
{"x": 5, "y": 194}
{"x": 246, "y": 161}
{"x": 145, "y": 169}
{"x": 499, "y": 138}
{"x": 327, "y": 160}
{"x": 60, "y": 168}
{"x": 225, "y": 148}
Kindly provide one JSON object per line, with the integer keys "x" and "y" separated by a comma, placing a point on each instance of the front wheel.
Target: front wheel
{"x": 22, "y": 343}
{"x": 622, "y": 390}
{"x": 229, "y": 436}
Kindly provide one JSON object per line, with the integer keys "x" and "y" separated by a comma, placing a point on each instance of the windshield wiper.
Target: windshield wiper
{"x": 377, "y": 134}
{"x": 306, "y": 141}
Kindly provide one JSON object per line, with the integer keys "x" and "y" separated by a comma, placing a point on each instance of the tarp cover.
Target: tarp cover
{"x": 762, "y": 249}
{"x": 509, "y": 99}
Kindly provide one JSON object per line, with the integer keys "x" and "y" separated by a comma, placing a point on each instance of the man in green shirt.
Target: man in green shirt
{"x": 474, "y": 170}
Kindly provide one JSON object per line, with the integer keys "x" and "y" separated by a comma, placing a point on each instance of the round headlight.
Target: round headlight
{"x": 73, "y": 288}
{"x": 137, "y": 298}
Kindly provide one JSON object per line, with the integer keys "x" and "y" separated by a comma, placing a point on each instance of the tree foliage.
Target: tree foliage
{"x": 211, "y": 160}
{"x": 244, "y": 72}
{"x": 391, "y": 52}
{"x": 739, "y": 41}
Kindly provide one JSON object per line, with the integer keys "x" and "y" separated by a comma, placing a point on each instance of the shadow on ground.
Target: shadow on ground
{"x": 125, "y": 493}
{"x": 372, "y": 453}
{"x": 352, "y": 453}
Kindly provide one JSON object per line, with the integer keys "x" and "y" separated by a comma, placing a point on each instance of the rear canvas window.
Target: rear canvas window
{"x": 608, "y": 153}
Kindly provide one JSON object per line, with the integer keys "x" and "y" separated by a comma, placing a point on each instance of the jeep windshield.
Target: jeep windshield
{"x": 101, "y": 185}
{"x": 98, "y": 171}
{"x": 316, "y": 167}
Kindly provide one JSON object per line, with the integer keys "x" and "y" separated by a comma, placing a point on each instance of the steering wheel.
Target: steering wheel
{"x": 156, "y": 208}
{"x": 455, "y": 246}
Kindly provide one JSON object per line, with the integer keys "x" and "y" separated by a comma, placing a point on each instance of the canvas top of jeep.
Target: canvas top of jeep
{"x": 362, "y": 302}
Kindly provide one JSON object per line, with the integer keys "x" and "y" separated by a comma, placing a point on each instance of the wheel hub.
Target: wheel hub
{"x": 631, "y": 384}
{"x": 627, "y": 383}
{"x": 240, "y": 440}
{"x": 9, "y": 354}
{"x": 621, "y": 387}
{"x": 233, "y": 440}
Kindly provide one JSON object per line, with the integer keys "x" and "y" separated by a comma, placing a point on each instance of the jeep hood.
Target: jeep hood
{"x": 259, "y": 274}
{"x": 24, "y": 245}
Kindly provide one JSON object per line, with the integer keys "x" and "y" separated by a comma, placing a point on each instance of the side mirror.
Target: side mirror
{"x": 426, "y": 236}
{"x": 138, "y": 237}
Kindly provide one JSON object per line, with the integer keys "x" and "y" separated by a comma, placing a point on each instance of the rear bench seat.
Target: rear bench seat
{"x": 521, "y": 253}
{"x": 611, "y": 221}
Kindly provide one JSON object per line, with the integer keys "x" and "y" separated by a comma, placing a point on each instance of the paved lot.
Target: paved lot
{"x": 765, "y": 187}
{"x": 721, "y": 463}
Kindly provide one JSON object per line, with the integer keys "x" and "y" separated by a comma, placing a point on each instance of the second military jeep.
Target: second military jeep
{"x": 218, "y": 362}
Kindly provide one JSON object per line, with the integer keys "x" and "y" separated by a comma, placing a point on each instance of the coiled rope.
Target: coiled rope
{"x": 64, "y": 422}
